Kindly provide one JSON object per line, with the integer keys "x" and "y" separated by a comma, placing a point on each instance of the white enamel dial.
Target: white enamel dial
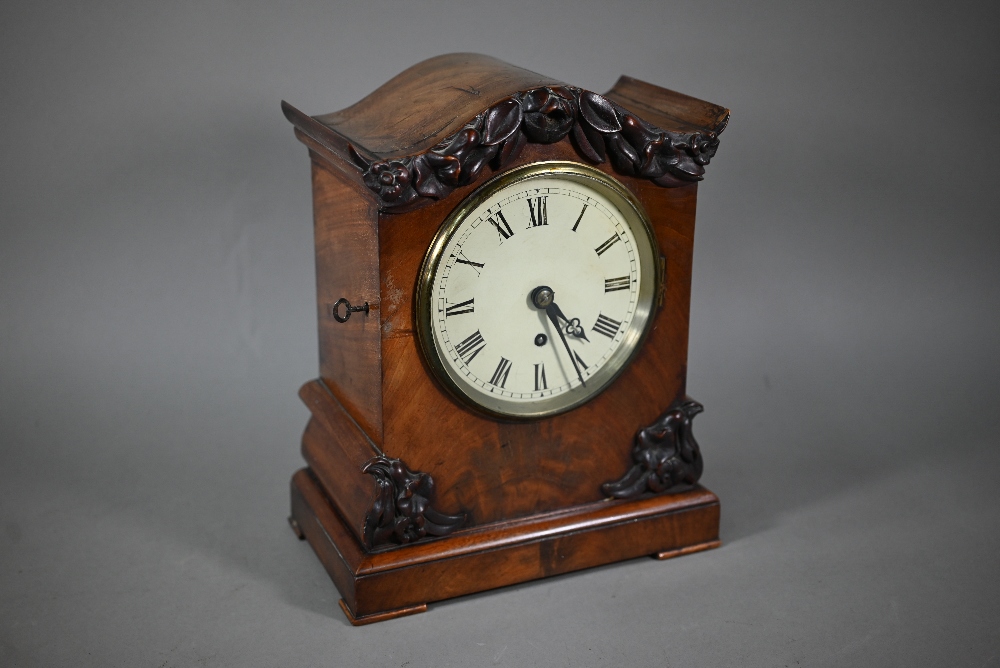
{"x": 537, "y": 290}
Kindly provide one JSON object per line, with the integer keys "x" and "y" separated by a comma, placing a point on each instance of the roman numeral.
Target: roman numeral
{"x": 577, "y": 223}
{"x": 607, "y": 244}
{"x": 540, "y": 378}
{"x": 471, "y": 346}
{"x": 458, "y": 309}
{"x": 500, "y": 375}
{"x": 606, "y": 326}
{"x": 620, "y": 283}
{"x": 464, "y": 260}
{"x": 500, "y": 223}
{"x": 580, "y": 360}
{"x": 542, "y": 217}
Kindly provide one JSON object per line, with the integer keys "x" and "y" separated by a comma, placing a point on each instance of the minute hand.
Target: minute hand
{"x": 554, "y": 313}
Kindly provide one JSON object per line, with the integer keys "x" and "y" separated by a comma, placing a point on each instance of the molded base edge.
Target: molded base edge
{"x": 400, "y": 581}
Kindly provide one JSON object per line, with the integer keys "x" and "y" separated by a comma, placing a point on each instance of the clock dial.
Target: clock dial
{"x": 537, "y": 290}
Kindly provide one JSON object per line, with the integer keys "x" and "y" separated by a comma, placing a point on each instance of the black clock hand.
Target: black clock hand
{"x": 552, "y": 316}
{"x": 543, "y": 298}
{"x": 572, "y": 326}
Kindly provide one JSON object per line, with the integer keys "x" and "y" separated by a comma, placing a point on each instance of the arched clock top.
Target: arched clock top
{"x": 439, "y": 124}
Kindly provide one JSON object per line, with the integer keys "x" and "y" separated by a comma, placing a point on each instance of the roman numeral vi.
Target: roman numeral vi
{"x": 540, "y": 378}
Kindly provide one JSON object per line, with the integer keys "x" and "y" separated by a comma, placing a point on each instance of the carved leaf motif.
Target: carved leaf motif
{"x": 546, "y": 129}
{"x": 665, "y": 453}
{"x": 447, "y": 158}
{"x": 598, "y": 112}
{"x": 534, "y": 99}
{"x": 622, "y": 155}
{"x": 425, "y": 182}
{"x": 477, "y": 160}
{"x": 583, "y": 145}
{"x": 565, "y": 92}
{"x": 401, "y": 511}
{"x": 511, "y": 149}
{"x": 596, "y": 140}
{"x": 686, "y": 165}
{"x": 601, "y": 130}
{"x": 657, "y": 156}
{"x": 636, "y": 132}
{"x": 502, "y": 120}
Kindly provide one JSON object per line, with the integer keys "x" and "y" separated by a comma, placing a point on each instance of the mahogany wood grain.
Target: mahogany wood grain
{"x": 400, "y": 581}
{"x": 347, "y": 265}
{"x": 462, "y": 84}
{"x": 336, "y": 449}
{"x": 668, "y": 109}
{"x": 380, "y": 616}
{"x": 495, "y": 470}
{"x": 532, "y": 491}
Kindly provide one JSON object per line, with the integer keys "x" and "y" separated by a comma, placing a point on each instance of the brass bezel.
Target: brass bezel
{"x": 635, "y": 217}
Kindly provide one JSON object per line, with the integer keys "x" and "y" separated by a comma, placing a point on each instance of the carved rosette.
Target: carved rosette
{"x": 666, "y": 456}
{"x": 600, "y": 129}
{"x": 401, "y": 511}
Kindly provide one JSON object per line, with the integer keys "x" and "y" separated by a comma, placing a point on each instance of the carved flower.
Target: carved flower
{"x": 389, "y": 178}
{"x": 703, "y": 147}
{"x": 548, "y": 114}
{"x": 693, "y": 155}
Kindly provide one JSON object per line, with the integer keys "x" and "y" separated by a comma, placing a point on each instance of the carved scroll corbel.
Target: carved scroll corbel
{"x": 666, "y": 456}
{"x": 401, "y": 511}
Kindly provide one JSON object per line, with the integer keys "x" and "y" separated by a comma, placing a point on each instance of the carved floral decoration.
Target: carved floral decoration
{"x": 666, "y": 456}
{"x": 401, "y": 511}
{"x": 600, "y": 129}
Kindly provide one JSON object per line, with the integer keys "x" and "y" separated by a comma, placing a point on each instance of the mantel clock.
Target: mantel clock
{"x": 503, "y": 271}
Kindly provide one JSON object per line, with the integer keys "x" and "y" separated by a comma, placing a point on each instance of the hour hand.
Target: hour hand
{"x": 573, "y": 327}
{"x": 544, "y": 298}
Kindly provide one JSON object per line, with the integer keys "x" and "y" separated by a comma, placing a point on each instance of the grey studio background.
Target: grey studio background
{"x": 156, "y": 321}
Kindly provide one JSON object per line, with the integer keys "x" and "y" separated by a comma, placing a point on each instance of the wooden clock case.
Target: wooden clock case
{"x": 409, "y": 497}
